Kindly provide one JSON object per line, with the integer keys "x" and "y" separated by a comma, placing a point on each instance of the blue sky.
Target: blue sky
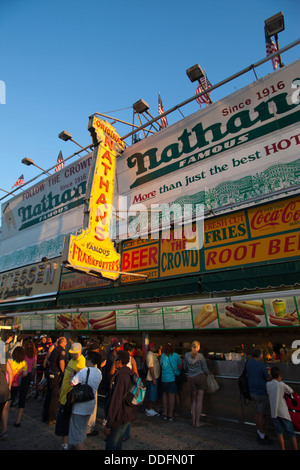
{"x": 62, "y": 61}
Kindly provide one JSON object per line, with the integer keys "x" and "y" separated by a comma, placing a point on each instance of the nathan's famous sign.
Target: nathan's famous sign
{"x": 92, "y": 250}
{"x": 243, "y": 146}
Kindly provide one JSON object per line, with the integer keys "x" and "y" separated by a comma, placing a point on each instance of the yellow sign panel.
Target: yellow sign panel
{"x": 179, "y": 253}
{"x": 254, "y": 251}
{"x": 92, "y": 250}
{"x": 224, "y": 229}
{"x": 278, "y": 216}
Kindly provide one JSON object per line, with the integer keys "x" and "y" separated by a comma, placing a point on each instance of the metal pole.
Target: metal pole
{"x": 232, "y": 77}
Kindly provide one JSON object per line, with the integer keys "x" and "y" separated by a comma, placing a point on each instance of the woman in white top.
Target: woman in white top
{"x": 132, "y": 362}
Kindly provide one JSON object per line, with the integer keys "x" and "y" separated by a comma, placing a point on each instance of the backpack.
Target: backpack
{"x": 136, "y": 392}
{"x": 293, "y": 404}
{"x": 144, "y": 370}
{"x": 244, "y": 386}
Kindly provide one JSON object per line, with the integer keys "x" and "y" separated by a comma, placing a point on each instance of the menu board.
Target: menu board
{"x": 151, "y": 318}
{"x": 264, "y": 313}
{"x": 178, "y": 318}
{"x": 127, "y": 320}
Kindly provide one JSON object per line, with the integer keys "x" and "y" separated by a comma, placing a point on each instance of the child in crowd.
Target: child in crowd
{"x": 279, "y": 410}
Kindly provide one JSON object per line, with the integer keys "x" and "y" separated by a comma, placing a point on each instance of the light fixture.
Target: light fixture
{"x": 195, "y": 73}
{"x": 64, "y": 135}
{"x": 28, "y": 161}
{"x": 274, "y": 24}
{"x": 140, "y": 106}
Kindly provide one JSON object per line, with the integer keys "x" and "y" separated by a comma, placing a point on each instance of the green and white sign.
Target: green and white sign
{"x": 242, "y": 146}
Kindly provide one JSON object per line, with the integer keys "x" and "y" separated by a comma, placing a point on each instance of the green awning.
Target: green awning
{"x": 277, "y": 275}
{"x": 28, "y": 305}
{"x": 132, "y": 292}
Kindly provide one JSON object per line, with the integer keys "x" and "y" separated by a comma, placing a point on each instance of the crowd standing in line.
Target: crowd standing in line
{"x": 66, "y": 364}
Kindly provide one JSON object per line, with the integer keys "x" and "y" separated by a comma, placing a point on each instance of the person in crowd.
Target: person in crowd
{"x": 197, "y": 370}
{"x": 49, "y": 351}
{"x": 279, "y": 409}
{"x": 19, "y": 370}
{"x": 257, "y": 380}
{"x": 170, "y": 365}
{"x": 6, "y": 376}
{"x": 119, "y": 414}
{"x": 30, "y": 359}
{"x": 42, "y": 350}
{"x": 108, "y": 347}
{"x": 82, "y": 411}
{"x": 94, "y": 346}
{"x": 109, "y": 369}
{"x": 132, "y": 362}
{"x": 152, "y": 379}
{"x": 133, "y": 367}
{"x": 19, "y": 342}
{"x": 9, "y": 344}
{"x": 76, "y": 363}
{"x": 56, "y": 363}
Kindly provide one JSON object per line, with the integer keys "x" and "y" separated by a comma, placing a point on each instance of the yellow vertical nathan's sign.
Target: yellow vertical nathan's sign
{"x": 92, "y": 249}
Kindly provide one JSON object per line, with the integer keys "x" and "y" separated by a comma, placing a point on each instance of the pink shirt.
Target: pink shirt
{"x": 30, "y": 362}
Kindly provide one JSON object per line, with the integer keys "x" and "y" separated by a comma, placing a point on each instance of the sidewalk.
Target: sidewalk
{"x": 147, "y": 433}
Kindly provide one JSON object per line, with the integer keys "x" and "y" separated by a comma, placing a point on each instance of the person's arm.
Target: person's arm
{"x": 48, "y": 355}
{"x": 118, "y": 394}
{"x": 134, "y": 366}
{"x": 9, "y": 373}
{"x": 62, "y": 365}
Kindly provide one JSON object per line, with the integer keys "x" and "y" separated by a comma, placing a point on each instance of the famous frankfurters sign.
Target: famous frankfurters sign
{"x": 243, "y": 146}
{"x": 92, "y": 250}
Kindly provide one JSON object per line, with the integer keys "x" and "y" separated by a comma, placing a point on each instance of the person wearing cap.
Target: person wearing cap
{"x": 76, "y": 363}
{"x": 152, "y": 379}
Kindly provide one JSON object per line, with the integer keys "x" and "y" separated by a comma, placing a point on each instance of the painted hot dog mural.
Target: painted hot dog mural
{"x": 273, "y": 312}
{"x": 244, "y": 314}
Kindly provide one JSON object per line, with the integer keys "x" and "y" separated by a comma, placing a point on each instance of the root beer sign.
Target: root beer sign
{"x": 92, "y": 250}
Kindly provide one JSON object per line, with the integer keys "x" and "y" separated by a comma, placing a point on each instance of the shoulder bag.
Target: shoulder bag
{"x": 211, "y": 385}
{"x": 81, "y": 392}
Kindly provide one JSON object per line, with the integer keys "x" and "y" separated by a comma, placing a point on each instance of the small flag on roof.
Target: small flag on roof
{"x": 161, "y": 110}
{"x": 270, "y": 49}
{"x": 60, "y": 162}
{"x": 19, "y": 182}
{"x": 203, "y": 85}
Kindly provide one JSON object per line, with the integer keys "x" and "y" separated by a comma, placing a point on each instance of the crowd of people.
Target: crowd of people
{"x": 65, "y": 364}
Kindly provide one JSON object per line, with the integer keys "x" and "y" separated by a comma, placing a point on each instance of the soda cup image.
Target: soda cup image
{"x": 279, "y": 308}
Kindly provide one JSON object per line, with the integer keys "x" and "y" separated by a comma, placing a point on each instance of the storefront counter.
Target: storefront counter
{"x": 226, "y": 403}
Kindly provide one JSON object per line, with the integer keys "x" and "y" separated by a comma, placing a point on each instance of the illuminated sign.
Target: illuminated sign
{"x": 92, "y": 250}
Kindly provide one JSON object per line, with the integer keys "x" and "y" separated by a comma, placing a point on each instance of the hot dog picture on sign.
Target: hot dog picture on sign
{"x": 246, "y": 314}
{"x": 281, "y": 311}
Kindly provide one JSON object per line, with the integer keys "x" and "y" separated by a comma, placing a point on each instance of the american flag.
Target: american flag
{"x": 270, "y": 49}
{"x": 161, "y": 110}
{"x": 205, "y": 84}
{"x": 19, "y": 182}
{"x": 60, "y": 162}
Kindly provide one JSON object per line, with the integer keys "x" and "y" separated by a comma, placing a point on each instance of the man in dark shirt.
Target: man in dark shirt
{"x": 56, "y": 364}
{"x": 119, "y": 414}
{"x": 258, "y": 377}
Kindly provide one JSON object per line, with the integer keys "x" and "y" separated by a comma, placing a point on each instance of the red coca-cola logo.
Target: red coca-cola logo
{"x": 286, "y": 215}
